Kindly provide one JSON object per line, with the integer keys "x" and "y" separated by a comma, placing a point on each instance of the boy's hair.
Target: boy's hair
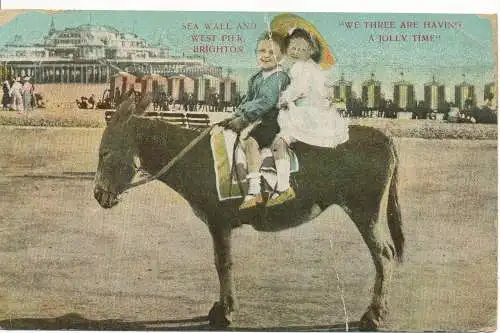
{"x": 309, "y": 38}
{"x": 275, "y": 37}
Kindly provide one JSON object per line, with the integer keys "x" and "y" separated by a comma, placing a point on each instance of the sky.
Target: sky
{"x": 468, "y": 48}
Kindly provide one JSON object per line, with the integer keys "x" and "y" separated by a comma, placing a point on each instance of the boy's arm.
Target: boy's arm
{"x": 266, "y": 98}
{"x": 248, "y": 96}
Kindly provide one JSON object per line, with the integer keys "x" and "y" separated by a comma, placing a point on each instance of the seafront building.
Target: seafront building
{"x": 92, "y": 54}
{"x": 89, "y": 54}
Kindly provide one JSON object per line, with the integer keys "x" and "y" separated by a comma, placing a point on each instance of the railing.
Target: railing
{"x": 186, "y": 120}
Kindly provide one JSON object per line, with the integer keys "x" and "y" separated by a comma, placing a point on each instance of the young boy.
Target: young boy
{"x": 261, "y": 104}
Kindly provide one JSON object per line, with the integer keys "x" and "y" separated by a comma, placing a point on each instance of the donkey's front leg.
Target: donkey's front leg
{"x": 220, "y": 316}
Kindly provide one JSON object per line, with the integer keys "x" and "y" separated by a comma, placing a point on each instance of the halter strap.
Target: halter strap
{"x": 172, "y": 162}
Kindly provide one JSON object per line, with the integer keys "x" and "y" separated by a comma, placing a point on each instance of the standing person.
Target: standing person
{"x": 264, "y": 88}
{"x": 163, "y": 101}
{"x": 117, "y": 96}
{"x": 91, "y": 101}
{"x": 306, "y": 114}
{"x": 170, "y": 101}
{"x": 27, "y": 94}
{"x": 16, "y": 95}
{"x": 6, "y": 94}
{"x": 191, "y": 101}
{"x": 34, "y": 103}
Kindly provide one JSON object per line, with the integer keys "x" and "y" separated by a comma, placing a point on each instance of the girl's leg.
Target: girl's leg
{"x": 282, "y": 161}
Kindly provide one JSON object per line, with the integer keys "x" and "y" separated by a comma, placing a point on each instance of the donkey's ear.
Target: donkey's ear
{"x": 125, "y": 108}
{"x": 126, "y": 96}
{"x": 141, "y": 107}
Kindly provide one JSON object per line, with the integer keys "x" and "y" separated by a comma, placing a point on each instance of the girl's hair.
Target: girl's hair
{"x": 275, "y": 37}
{"x": 309, "y": 38}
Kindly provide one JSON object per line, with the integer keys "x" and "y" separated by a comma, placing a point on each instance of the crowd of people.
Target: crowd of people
{"x": 19, "y": 95}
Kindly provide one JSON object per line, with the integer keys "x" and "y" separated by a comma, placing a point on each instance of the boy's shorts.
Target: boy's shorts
{"x": 265, "y": 132}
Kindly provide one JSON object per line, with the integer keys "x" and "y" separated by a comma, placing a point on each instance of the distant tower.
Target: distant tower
{"x": 434, "y": 94}
{"x": 342, "y": 89}
{"x": 52, "y": 29}
{"x": 464, "y": 94}
{"x": 371, "y": 93}
{"x": 404, "y": 94}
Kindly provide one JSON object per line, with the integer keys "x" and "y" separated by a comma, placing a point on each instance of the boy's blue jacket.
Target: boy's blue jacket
{"x": 262, "y": 95}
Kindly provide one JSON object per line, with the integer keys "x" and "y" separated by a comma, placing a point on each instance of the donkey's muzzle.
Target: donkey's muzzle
{"x": 105, "y": 198}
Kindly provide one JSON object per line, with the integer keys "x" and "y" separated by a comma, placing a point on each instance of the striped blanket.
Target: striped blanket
{"x": 222, "y": 144}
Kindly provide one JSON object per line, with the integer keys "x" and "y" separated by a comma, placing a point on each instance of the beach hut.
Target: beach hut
{"x": 205, "y": 86}
{"x": 179, "y": 85}
{"x": 123, "y": 81}
{"x": 153, "y": 84}
{"x": 404, "y": 94}
{"x": 434, "y": 95}
{"x": 490, "y": 95}
{"x": 371, "y": 93}
{"x": 227, "y": 88}
{"x": 465, "y": 96}
{"x": 342, "y": 90}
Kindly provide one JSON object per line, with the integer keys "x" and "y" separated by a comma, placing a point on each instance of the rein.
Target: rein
{"x": 172, "y": 162}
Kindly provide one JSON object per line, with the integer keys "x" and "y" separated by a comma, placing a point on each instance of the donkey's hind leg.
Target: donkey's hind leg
{"x": 376, "y": 236}
{"x": 220, "y": 316}
{"x": 382, "y": 253}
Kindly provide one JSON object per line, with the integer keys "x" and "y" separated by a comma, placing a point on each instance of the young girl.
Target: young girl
{"x": 305, "y": 114}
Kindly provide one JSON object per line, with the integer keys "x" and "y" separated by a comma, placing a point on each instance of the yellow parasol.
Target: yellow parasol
{"x": 285, "y": 22}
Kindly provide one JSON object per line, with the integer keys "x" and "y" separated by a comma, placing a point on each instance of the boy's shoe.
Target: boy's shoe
{"x": 281, "y": 198}
{"x": 251, "y": 201}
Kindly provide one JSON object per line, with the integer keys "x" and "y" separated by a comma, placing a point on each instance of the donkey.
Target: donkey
{"x": 360, "y": 176}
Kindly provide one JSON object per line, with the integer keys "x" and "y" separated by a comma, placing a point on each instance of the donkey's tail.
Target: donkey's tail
{"x": 393, "y": 211}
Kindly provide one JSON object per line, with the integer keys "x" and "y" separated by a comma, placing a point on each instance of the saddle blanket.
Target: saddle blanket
{"x": 226, "y": 177}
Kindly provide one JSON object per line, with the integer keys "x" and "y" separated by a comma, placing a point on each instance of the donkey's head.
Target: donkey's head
{"x": 118, "y": 152}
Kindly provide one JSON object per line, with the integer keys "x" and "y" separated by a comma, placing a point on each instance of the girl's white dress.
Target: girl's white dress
{"x": 309, "y": 117}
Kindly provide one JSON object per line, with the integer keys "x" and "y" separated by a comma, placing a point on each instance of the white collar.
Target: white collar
{"x": 266, "y": 74}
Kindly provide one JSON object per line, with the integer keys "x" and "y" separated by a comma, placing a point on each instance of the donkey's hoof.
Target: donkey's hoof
{"x": 371, "y": 320}
{"x": 218, "y": 318}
